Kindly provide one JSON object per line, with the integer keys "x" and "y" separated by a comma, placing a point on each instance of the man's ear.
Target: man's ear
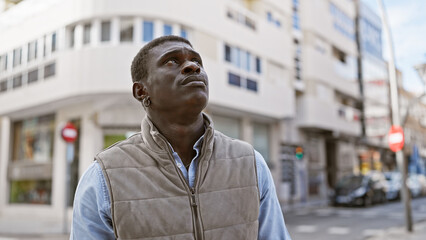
{"x": 139, "y": 91}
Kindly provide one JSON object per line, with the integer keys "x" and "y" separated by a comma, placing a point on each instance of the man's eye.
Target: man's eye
{"x": 197, "y": 61}
{"x": 171, "y": 61}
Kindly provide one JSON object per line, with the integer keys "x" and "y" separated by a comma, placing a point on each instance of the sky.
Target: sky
{"x": 407, "y": 20}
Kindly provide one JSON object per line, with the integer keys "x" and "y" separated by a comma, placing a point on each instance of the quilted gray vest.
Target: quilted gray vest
{"x": 150, "y": 198}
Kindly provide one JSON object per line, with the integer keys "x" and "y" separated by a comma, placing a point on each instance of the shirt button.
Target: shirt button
{"x": 179, "y": 165}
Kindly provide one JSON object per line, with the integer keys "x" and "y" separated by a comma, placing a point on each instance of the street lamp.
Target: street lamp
{"x": 396, "y": 118}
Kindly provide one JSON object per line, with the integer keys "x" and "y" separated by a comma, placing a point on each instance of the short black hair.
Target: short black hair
{"x": 138, "y": 68}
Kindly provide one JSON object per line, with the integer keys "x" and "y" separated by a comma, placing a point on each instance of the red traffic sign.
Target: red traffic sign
{"x": 69, "y": 133}
{"x": 396, "y": 138}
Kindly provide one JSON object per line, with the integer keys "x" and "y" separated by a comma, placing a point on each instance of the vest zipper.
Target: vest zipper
{"x": 198, "y": 233}
{"x": 197, "y": 221}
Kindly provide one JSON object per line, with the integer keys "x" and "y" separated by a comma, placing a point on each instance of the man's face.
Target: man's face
{"x": 176, "y": 77}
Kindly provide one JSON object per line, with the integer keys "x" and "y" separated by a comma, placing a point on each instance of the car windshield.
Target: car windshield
{"x": 350, "y": 182}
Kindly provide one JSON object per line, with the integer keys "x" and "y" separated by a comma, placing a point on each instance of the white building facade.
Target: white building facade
{"x": 69, "y": 61}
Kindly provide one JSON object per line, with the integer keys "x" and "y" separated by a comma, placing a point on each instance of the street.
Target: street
{"x": 350, "y": 223}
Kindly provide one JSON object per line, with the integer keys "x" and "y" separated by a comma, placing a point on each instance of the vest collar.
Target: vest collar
{"x": 156, "y": 142}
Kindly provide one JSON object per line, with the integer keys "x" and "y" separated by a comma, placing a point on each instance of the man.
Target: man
{"x": 178, "y": 178}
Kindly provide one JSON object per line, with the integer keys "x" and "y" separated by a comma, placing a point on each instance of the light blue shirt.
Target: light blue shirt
{"x": 92, "y": 205}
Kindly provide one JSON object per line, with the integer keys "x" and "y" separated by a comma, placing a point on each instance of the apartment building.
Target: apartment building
{"x": 327, "y": 123}
{"x": 69, "y": 61}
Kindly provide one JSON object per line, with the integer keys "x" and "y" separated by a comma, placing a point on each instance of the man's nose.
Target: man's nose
{"x": 190, "y": 67}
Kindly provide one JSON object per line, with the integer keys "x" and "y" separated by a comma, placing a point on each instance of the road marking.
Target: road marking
{"x": 373, "y": 232}
{"x": 344, "y": 213}
{"x": 369, "y": 214}
{"x": 324, "y": 212}
{"x": 306, "y": 228}
{"x": 338, "y": 230}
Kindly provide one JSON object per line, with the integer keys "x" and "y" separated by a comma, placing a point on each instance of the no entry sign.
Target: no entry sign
{"x": 396, "y": 138}
{"x": 69, "y": 133}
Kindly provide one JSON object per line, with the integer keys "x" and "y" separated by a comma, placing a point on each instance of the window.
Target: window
{"x": 31, "y": 191}
{"x": 261, "y": 139}
{"x": 252, "y": 85}
{"x": 241, "y": 19}
{"x": 227, "y": 53}
{"x": 269, "y": 17}
{"x": 32, "y": 143}
{"x": 105, "y": 31}
{"x": 229, "y": 126}
{"x": 167, "y": 29}
{"x": 53, "y": 42}
{"x": 17, "y": 81}
{"x": 49, "y": 70}
{"x": 71, "y": 37}
{"x": 3, "y": 62}
{"x": 258, "y": 65}
{"x": 296, "y": 21}
{"x": 247, "y": 61}
{"x": 234, "y": 79}
{"x": 33, "y": 139}
{"x": 86, "y": 33}
{"x": 148, "y": 31}
{"x": 339, "y": 55}
{"x": 183, "y": 33}
{"x": 32, "y": 76}
{"x": 44, "y": 46}
{"x": 126, "y": 30}
{"x": 3, "y": 85}
{"x": 17, "y": 53}
{"x": 32, "y": 51}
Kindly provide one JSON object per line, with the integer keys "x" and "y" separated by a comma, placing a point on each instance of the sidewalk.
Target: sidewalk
{"x": 399, "y": 233}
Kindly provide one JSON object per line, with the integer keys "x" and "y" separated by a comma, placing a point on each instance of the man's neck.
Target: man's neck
{"x": 181, "y": 132}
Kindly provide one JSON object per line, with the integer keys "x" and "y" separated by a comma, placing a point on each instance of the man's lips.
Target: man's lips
{"x": 194, "y": 80}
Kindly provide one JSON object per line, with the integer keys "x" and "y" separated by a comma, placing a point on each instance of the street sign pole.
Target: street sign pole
{"x": 69, "y": 159}
{"x": 69, "y": 134}
{"x": 395, "y": 118}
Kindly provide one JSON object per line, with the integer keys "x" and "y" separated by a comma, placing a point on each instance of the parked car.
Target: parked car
{"x": 415, "y": 186}
{"x": 360, "y": 190}
{"x": 394, "y": 185}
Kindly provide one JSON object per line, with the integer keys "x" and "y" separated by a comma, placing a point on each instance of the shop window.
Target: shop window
{"x": 148, "y": 31}
{"x": 126, "y": 30}
{"x": 112, "y": 137}
{"x": 105, "y": 31}
{"x": 53, "y": 49}
{"x": 32, "y": 76}
{"x": 3, "y": 85}
{"x": 234, "y": 79}
{"x": 31, "y": 191}
{"x": 261, "y": 140}
{"x": 49, "y": 70}
{"x": 32, "y": 51}
{"x": 229, "y": 126}
{"x": 3, "y": 63}
{"x": 33, "y": 139}
{"x": 17, "y": 81}
{"x": 17, "y": 57}
{"x": 86, "y": 33}
{"x": 167, "y": 29}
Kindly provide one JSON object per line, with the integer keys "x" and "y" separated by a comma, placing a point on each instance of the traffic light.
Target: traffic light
{"x": 299, "y": 153}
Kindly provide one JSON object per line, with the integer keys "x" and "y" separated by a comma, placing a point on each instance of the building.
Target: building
{"x": 373, "y": 152}
{"x": 327, "y": 123}
{"x": 69, "y": 61}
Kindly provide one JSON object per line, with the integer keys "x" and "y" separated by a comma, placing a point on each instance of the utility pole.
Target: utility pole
{"x": 396, "y": 118}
